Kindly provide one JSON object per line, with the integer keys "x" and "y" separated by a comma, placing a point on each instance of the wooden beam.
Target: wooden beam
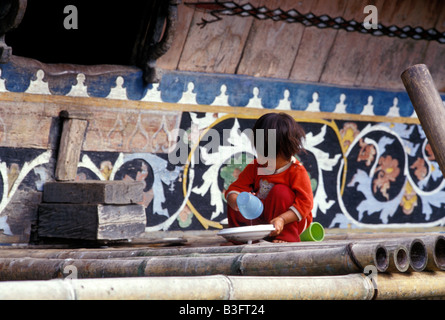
{"x": 73, "y": 134}
{"x": 271, "y": 46}
{"x": 315, "y": 45}
{"x": 216, "y": 48}
{"x": 429, "y": 108}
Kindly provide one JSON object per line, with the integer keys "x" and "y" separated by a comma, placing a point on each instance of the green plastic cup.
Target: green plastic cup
{"x": 315, "y": 232}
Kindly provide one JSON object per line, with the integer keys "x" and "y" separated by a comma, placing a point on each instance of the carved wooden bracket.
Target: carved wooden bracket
{"x": 156, "y": 37}
{"x": 11, "y": 14}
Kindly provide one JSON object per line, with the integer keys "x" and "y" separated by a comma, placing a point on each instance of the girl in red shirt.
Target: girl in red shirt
{"x": 277, "y": 178}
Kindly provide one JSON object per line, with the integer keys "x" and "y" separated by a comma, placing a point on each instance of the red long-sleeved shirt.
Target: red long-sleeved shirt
{"x": 293, "y": 175}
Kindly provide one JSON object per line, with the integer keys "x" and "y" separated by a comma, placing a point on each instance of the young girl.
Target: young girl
{"x": 279, "y": 180}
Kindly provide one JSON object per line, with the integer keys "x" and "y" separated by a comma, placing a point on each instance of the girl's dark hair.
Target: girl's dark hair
{"x": 289, "y": 134}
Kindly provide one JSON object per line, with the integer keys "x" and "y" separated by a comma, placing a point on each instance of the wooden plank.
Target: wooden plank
{"x": 120, "y": 222}
{"x": 435, "y": 53}
{"x": 90, "y": 221}
{"x": 94, "y": 191}
{"x": 272, "y": 45}
{"x": 316, "y": 43}
{"x": 26, "y": 121}
{"x": 348, "y": 50}
{"x": 369, "y": 61}
{"x": 170, "y": 60}
{"x": 23, "y": 124}
{"x": 67, "y": 221}
{"x": 132, "y": 131}
{"x": 434, "y": 59}
{"x": 73, "y": 133}
{"x": 323, "y": 55}
{"x": 217, "y": 47}
{"x": 175, "y": 108}
{"x": 389, "y": 57}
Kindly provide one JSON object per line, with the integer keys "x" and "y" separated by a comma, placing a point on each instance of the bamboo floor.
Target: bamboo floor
{"x": 348, "y": 264}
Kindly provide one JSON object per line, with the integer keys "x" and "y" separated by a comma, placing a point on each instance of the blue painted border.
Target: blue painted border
{"x": 206, "y": 87}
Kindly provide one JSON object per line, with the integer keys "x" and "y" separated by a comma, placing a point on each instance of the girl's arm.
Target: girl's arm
{"x": 231, "y": 201}
{"x": 245, "y": 182}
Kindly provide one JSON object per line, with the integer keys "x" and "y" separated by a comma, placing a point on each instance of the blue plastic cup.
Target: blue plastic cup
{"x": 250, "y": 206}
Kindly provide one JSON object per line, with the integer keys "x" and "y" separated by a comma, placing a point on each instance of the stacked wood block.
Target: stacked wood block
{"x": 87, "y": 210}
{"x": 92, "y": 210}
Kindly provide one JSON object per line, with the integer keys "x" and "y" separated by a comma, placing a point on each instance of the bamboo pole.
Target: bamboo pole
{"x": 311, "y": 261}
{"x": 370, "y": 254}
{"x": 436, "y": 253}
{"x": 344, "y": 287}
{"x": 419, "y": 285}
{"x": 418, "y": 255}
{"x": 107, "y": 253}
{"x": 430, "y": 256}
{"x": 46, "y": 269}
{"x": 217, "y": 287}
{"x": 352, "y": 286}
{"x": 232, "y": 257}
{"x": 413, "y": 285}
{"x": 429, "y": 108}
{"x": 399, "y": 259}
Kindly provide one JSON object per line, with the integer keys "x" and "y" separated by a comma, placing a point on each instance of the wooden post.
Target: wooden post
{"x": 429, "y": 108}
{"x": 73, "y": 132}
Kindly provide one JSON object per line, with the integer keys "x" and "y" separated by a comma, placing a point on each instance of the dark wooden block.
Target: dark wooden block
{"x": 91, "y": 221}
{"x": 71, "y": 141}
{"x": 94, "y": 191}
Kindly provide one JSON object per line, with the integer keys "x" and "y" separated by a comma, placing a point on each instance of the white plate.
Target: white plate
{"x": 247, "y": 233}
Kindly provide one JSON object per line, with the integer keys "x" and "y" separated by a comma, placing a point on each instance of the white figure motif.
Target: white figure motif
{"x": 80, "y": 89}
{"x": 222, "y": 99}
{"x": 39, "y": 86}
{"x": 153, "y": 94}
{"x": 315, "y": 104}
{"x": 2, "y": 83}
{"x": 341, "y": 106}
{"x": 368, "y": 109}
{"x": 118, "y": 92}
{"x": 255, "y": 102}
{"x": 285, "y": 104}
{"x": 189, "y": 97}
{"x": 394, "y": 110}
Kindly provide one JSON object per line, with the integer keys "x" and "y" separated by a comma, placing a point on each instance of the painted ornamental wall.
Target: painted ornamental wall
{"x": 185, "y": 136}
{"x": 368, "y": 159}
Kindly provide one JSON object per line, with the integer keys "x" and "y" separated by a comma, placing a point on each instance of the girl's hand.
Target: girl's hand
{"x": 278, "y": 223}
